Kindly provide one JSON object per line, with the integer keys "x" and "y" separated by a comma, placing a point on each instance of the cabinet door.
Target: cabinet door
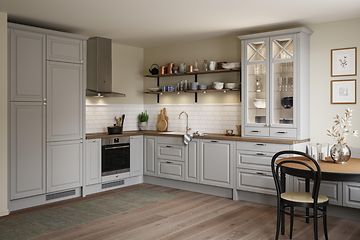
{"x": 149, "y": 156}
{"x": 93, "y": 161}
{"x": 64, "y": 112}
{"x": 255, "y": 181}
{"x": 256, "y": 84}
{"x": 171, "y": 169}
{"x": 64, "y": 165}
{"x": 351, "y": 194}
{"x": 27, "y": 155}
{"x": 136, "y": 155}
{"x": 27, "y": 66}
{"x": 215, "y": 163}
{"x": 64, "y": 49}
{"x": 191, "y": 168}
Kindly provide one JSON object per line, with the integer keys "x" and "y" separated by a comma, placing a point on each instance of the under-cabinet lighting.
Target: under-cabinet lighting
{"x": 178, "y": 93}
{"x": 161, "y": 93}
{"x": 99, "y": 95}
{"x": 204, "y": 91}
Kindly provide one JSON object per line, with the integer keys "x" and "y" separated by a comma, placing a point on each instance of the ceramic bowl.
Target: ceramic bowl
{"x": 218, "y": 85}
{"x": 260, "y": 103}
{"x": 230, "y": 85}
{"x": 154, "y": 89}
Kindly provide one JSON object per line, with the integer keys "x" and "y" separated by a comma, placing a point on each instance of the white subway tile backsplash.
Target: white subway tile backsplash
{"x": 214, "y": 118}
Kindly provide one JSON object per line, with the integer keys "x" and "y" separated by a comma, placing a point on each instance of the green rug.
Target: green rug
{"x": 29, "y": 225}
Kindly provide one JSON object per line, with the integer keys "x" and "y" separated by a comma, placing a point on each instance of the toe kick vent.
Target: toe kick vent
{"x": 60, "y": 195}
{"x": 112, "y": 184}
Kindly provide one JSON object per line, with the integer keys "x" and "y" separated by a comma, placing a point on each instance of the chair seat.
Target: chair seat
{"x": 302, "y": 197}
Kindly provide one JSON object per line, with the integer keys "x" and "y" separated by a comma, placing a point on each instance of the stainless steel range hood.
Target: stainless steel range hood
{"x": 99, "y": 75}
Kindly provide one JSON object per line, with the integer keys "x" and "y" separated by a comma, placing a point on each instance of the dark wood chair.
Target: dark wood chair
{"x": 301, "y": 165}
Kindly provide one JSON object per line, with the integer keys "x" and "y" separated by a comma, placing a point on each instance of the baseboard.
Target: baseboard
{"x": 4, "y": 213}
{"x": 188, "y": 186}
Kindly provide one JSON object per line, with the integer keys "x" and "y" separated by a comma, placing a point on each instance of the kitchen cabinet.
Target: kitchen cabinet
{"x": 64, "y": 49}
{"x": 216, "y": 163}
{"x": 27, "y": 65}
{"x": 255, "y": 181}
{"x": 149, "y": 155}
{"x": 136, "y": 155}
{"x": 64, "y": 165}
{"x": 351, "y": 194}
{"x": 275, "y": 80}
{"x": 171, "y": 169}
{"x": 92, "y": 161}
{"x": 192, "y": 163}
{"x": 64, "y": 102}
{"x": 27, "y": 154}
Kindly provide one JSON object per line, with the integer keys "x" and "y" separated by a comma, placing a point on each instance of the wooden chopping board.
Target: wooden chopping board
{"x": 162, "y": 123}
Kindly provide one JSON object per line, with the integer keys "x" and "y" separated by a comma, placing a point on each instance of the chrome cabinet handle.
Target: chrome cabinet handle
{"x": 263, "y": 174}
{"x": 255, "y": 131}
{"x": 168, "y": 146}
{"x": 260, "y": 154}
{"x": 261, "y": 144}
{"x": 213, "y": 141}
{"x": 168, "y": 162}
{"x": 282, "y": 132}
{"x": 119, "y": 147}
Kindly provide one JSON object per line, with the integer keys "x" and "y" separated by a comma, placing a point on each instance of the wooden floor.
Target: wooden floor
{"x": 197, "y": 216}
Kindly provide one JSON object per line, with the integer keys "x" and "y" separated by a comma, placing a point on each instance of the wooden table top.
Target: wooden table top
{"x": 349, "y": 171}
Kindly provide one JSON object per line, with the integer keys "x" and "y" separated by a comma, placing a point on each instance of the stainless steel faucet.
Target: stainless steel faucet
{"x": 187, "y": 121}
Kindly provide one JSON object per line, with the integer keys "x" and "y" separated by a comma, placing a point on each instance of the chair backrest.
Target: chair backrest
{"x": 309, "y": 169}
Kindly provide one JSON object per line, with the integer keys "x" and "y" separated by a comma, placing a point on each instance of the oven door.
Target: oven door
{"x": 115, "y": 159}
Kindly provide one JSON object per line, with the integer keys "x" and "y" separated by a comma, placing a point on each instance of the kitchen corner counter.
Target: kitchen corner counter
{"x": 215, "y": 136}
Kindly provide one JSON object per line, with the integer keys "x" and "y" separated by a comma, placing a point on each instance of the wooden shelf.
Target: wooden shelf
{"x": 194, "y": 91}
{"x": 194, "y": 73}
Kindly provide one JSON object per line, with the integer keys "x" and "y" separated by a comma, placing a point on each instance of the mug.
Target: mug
{"x": 212, "y": 65}
{"x": 182, "y": 68}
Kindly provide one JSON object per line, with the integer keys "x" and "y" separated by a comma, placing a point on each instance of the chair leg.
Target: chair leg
{"x": 325, "y": 222}
{"x": 307, "y": 215}
{"x": 291, "y": 221}
{"x": 278, "y": 221}
{"x": 282, "y": 219}
{"x": 315, "y": 223}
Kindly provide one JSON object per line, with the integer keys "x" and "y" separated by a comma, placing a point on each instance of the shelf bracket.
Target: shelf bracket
{"x": 158, "y": 85}
{"x": 196, "y": 95}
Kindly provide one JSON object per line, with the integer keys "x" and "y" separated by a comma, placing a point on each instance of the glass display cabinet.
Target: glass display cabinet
{"x": 275, "y": 77}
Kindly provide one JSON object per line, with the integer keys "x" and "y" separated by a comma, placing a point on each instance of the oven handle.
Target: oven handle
{"x": 119, "y": 147}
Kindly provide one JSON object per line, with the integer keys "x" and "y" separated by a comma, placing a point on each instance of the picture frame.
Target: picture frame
{"x": 343, "y": 62}
{"x": 343, "y": 91}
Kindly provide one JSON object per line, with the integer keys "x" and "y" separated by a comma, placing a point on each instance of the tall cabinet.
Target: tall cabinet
{"x": 46, "y": 99}
{"x": 275, "y": 80}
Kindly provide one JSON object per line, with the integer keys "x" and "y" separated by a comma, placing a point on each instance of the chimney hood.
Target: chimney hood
{"x": 99, "y": 75}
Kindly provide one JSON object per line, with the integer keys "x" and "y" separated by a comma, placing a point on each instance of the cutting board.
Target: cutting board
{"x": 162, "y": 123}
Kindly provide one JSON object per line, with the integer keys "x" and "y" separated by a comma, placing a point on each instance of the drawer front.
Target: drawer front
{"x": 283, "y": 133}
{"x": 169, "y": 169}
{"x": 257, "y": 161}
{"x": 64, "y": 49}
{"x": 171, "y": 152}
{"x": 171, "y": 140}
{"x": 333, "y": 190}
{"x": 262, "y": 147}
{"x": 351, "y": 194}
{"x": 255, "y": 181}
{"x": 257, "y": 131}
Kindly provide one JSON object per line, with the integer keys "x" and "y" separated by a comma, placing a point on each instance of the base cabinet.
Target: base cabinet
{"x": 149, "y": 156}
{"x": 192, "y": 164}
{"x": 171, "y": 169}
{"x": 255, "y": 181}
{"x": 93, "y": 161}
{"x": 64, "y": 169}
{"x": 351, "y": 194}
{"x": 216, "y": 159}
{"x": 136, "y": 155}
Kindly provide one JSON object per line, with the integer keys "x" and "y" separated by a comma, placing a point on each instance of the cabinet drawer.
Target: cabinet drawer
{"x": 282, "y": 132}
{"x": 257, "y": 131}
{"x": 169, "y": 169}
{"x": 351, "y": 194}
{"x": 255, "y": 181}
{"x": 170, "y": 152}
{"x": 64, "y": 49}
{"x": 262, "y": 147}
{"x": 257, "y": 161}
{"x": 333, "y": 190}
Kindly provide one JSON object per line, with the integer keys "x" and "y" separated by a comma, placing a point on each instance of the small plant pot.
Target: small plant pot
{"x": 143, "y": 126}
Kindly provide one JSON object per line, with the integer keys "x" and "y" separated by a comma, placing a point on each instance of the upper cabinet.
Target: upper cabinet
{"x": 275, "y": 77}
{"x": 64, "y": 49}
{"x": 27, "y": 65}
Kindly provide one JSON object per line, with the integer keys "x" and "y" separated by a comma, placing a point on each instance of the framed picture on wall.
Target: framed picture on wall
{"x": 343, "y": 62}
{"x": 343, "y": 91}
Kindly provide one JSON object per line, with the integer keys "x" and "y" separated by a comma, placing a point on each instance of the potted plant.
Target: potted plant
{"x": 340, "y": 152}
{"x": 143, "y": 119}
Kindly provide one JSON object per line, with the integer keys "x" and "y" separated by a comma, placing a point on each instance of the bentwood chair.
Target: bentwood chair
{"x": 298, "y": 164}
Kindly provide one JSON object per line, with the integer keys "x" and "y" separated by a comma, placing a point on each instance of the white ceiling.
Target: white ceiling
{"x": 148, "y": 23}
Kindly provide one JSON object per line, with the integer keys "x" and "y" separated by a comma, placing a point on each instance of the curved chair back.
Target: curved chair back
{"x": 310, "y": 170}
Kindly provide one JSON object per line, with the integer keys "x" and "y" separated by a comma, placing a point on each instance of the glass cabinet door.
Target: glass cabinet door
{"x": 257, "y": 82}
{"x": 282, "y": 87}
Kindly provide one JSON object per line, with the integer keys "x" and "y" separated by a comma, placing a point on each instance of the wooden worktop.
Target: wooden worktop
{"x": 207, "y": 136}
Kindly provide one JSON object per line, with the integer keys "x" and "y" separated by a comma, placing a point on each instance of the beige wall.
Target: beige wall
{"x": 127, "y": 75}
{"x": 218, "y": 49}
{"x": 3, "y": 116}
{"x": 326, "y": 37}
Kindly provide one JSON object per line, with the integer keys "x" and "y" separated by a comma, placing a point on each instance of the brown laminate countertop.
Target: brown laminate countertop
{"x": 215, "y": 136}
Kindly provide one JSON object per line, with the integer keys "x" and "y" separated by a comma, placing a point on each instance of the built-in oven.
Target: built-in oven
{"x": 115, "y": 160}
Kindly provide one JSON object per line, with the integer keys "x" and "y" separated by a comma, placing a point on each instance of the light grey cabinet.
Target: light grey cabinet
{"x": 27, "y": 65}
{"x": 64, "y": 111}
{"x": 27, "y": 155}
{"x": 171, "y": 152}
{"x": 171, "y": 169}
{"x": 64, "y": 49}
{"x": 92, "y": 161}
{"x": 255, "y": 181}
{"x": 149, "y": 155}
{"x": 351, "y": 194}
{"x": 136, "y": 155}
{"x": 64, "y": 165}
{"x": 192, "y": 163}
{"x": 216, "y": 165}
